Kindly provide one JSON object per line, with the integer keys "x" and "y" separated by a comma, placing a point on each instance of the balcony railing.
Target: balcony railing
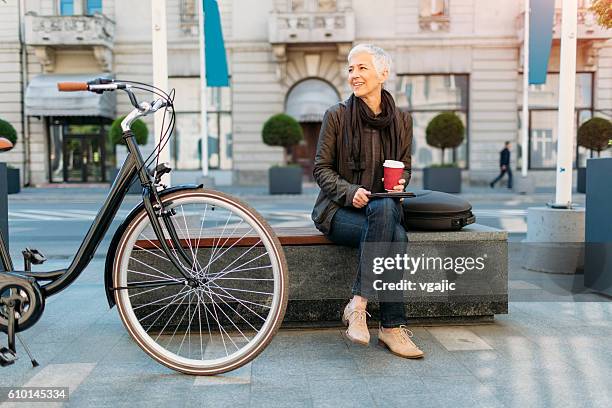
{"x": 311, "y": 27}
{"x": 588, "y": 29}
{"x": 95, "y": 30}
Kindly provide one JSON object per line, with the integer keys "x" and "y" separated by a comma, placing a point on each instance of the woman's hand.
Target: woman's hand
{"x": 399, "y": 187}
{"x": 361, "y": 198}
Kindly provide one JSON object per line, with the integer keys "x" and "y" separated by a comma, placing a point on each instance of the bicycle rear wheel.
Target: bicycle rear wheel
{"x": 235, "y": 302}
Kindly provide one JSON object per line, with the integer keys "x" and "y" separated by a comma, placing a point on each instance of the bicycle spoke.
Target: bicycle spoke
{"x": 240, "y": 270}
{"x": 170, "y": 318}
{"x": 145, "y": 291}
{"x": 162, "y": 311}
{"x": 231, "y": 321}
{"x": 224, "y": 272}
{"x": 240, "y": 301}
{"x": 151, "y": 303}
{"x": 155, "y": 269}
{"x": 239, "y": 315}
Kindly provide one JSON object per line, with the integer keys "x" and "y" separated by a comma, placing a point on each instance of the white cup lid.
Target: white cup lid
{"x": 393, "y": 164}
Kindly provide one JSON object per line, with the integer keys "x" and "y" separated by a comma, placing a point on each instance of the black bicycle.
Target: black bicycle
{"x": 199, "y": 277}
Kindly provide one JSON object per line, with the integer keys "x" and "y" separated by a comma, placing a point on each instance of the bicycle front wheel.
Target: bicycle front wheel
{"x": 235, "y": 300}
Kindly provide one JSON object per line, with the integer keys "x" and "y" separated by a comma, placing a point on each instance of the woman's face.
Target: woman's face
{"x": 362, "y": 76}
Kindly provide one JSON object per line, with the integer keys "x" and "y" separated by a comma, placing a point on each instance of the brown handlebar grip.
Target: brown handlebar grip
{"x": 72, "y": 86}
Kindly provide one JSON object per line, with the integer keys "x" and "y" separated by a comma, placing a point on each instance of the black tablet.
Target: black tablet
{"x": 397, "y": 194}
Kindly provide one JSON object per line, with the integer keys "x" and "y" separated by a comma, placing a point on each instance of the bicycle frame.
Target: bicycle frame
{"x": 133, "y": 165}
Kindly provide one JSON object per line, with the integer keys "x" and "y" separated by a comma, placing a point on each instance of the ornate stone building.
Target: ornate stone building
{"x": 284, "y": 56}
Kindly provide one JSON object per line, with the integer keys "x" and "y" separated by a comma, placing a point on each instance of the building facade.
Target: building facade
{"x": 287, "y": 56}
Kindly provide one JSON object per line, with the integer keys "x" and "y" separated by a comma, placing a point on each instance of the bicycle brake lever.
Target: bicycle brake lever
{"x": 158, "y": 104}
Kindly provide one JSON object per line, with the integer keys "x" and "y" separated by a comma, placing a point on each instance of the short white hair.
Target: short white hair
{"x": 380, "y": 57}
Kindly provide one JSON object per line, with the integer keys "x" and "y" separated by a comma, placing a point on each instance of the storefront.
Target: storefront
{"x": 76, "y": 126}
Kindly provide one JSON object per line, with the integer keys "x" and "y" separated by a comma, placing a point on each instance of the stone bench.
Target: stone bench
{"x": 321, "y": 274}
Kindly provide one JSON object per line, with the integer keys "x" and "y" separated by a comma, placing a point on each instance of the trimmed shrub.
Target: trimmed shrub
{"x": 141, "y": 132}
{"x": 7, "y": 131}
{"x": 445, "y": 131}
{"x": 282, "y": 130}
{"x": 595, "y": 134}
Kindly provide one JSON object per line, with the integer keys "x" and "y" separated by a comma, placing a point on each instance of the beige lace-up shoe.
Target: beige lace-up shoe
{"x": 398, "y": 342}
{"x": 357, "y": 331}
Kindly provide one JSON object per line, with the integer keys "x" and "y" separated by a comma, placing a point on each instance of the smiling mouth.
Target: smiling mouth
{"x": 357, "y": 85}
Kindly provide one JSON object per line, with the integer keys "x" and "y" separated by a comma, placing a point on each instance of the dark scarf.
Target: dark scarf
{"x": 357, "y": 115}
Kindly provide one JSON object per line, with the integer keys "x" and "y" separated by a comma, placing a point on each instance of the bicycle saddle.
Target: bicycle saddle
{"x": 5, "y": 144}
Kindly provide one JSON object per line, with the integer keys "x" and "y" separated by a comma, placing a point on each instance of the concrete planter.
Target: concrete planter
{"x": 445, "y": 179}
{"x": 582, "y": 180}
{"x": 13, "y": 183}
{"x": 285, "y": 180}
{"x": 555, "y": 240}
{"x": 598, "y": 226}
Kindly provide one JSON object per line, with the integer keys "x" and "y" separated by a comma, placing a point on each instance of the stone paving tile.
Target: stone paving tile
{"x": 266, "y": 398}
{"x": 398, "y": 386}
{"x": 283, "y": 384}
{"x": 340, "y": 393}
{"x": 455, "y": 338}
{"x": 402, "y": 401}
{"x": 336, "y": 368}
{"x": 235, "y": 396}
{"x": 462, "y": 391}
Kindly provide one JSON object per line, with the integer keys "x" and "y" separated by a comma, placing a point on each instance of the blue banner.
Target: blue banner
{"x": 540, "y": 39}
{"x": 216, "y": 60}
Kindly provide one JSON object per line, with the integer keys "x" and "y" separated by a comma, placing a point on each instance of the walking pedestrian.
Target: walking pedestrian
{"x": 504, "y": 165}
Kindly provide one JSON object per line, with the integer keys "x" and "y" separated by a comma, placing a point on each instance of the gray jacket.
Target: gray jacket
{"x": 331, "y": 170}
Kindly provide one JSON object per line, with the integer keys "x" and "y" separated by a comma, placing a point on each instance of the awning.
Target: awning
{"x": 309, "y": 99}
{"x": 43, "y": 99}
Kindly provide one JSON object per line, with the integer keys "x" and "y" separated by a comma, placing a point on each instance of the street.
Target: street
{"x": 55, "y": 221}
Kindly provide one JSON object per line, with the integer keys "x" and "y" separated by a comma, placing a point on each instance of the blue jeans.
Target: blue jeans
{"x": 378, "y": 222}
{"x": 501, "y": 174}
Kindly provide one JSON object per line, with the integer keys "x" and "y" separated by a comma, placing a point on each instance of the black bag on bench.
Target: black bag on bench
{"x": 436, "y": 211}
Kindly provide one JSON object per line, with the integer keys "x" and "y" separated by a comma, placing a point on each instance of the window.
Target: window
{"x": 185, "y": 147}
{"x": 425, "y": 96}
{"x": 433, "y": 8}
{"x": 94, "y": 6}
{"x": 434, "y": 15}
{"x": 66, "y": 7}
{"x": 312, "y": 5}
{"x": 189, "y": 16}
{"x": 219, "y": 128}
{"x": 543, "y": 116}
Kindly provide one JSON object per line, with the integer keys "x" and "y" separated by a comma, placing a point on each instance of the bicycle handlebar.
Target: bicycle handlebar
{"x": 72, "y": 86}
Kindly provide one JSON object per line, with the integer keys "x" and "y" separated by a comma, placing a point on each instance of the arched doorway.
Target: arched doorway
{"x": 307, "y": 101}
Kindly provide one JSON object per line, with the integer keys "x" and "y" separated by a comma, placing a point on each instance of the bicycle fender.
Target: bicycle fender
{"x": 112, "y": 249}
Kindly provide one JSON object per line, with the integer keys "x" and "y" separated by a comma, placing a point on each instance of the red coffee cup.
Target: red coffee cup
{"x": 393, "y": 170}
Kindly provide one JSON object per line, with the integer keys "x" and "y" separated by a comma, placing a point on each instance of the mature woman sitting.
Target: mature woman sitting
{"x": 356, "y": 137}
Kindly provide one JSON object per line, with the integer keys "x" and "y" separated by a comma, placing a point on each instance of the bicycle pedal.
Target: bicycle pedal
{"x": 34, "y": 256}
{"x": 7, "y": 357}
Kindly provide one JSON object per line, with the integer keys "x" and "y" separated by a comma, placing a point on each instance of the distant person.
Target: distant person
{"x": 504, "y": 165}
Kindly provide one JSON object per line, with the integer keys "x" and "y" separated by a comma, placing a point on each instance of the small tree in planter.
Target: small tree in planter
{"x": 7, "y": 131}
{"x": 141, "y": 134}
{"x": 445, "y": 131}
{"x": 594, "y": 134}
{"x": 282, "y": 130}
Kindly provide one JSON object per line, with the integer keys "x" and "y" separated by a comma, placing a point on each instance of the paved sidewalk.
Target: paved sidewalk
{"x": 552, "y": 352}
{"x": 542, "y": 354}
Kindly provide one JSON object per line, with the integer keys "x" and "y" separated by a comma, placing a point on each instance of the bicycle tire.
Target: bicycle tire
{"x": 278, "y": 297}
